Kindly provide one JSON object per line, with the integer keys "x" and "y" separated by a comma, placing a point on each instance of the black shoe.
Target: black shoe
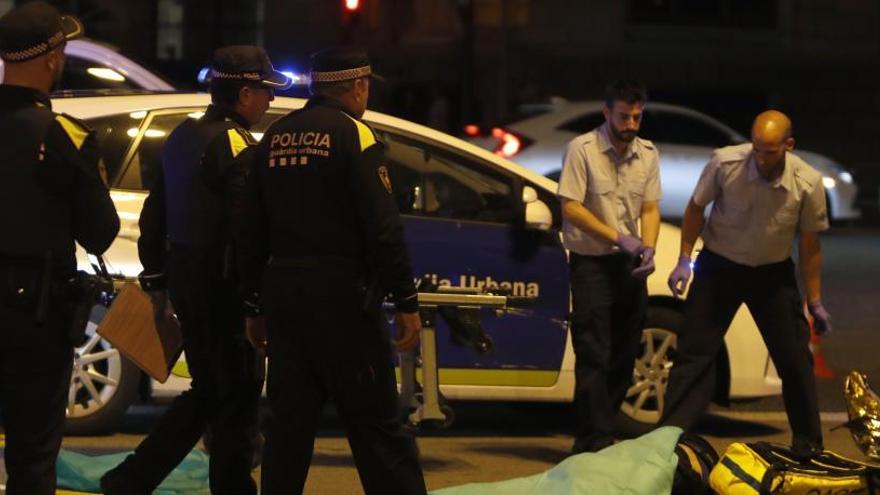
{"x": 803, "y": 451}
{"x": 116, "y": 482}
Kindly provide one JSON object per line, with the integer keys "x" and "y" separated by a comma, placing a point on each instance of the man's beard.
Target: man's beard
{"x": 623, "y": 136}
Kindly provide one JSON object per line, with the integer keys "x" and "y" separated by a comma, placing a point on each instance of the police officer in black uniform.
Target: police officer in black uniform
{"x": 325, "y": 237}
{"x": 51, "y": 195}
{"x": 186, "y": 247}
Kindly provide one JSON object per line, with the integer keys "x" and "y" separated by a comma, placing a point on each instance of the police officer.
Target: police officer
{"x": 610, "y": 181}
{"x": 761, "y": 195}
{"x": 325, "y": 231}
{"x": 194, "y": 209}
{"x": 51, "y": 195}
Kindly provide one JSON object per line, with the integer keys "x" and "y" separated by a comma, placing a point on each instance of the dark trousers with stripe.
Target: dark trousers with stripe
{"x": 771, "y": 294}
{"x": 323, "y": 344}
{"x": 609, "y": 312}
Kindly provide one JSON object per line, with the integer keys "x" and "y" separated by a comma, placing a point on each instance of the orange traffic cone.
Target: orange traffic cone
{"x": 820, "y": 367}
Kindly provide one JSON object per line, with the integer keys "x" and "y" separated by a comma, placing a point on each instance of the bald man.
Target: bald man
{"x": 762, "y": 195}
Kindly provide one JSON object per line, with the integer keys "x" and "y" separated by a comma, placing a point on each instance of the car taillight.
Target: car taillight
{"x": 509, "y": 144}
{"x": 472, "y": 130}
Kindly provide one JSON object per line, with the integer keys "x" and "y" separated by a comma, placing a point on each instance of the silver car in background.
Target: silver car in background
{"x": 684, "y": 136}
{"x": 93, "y": 65}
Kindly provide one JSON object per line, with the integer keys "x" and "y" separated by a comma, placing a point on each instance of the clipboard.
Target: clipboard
{"x": 129, "y": 325}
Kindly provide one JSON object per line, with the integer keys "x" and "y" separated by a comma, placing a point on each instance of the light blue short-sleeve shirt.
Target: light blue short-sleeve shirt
{"x": 611, "y": 187}
{"x": 753, "y": 222}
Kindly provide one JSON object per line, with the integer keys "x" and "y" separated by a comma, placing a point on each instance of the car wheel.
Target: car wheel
{"x": 644, "y": 401}
{"x": 102, "y": 386}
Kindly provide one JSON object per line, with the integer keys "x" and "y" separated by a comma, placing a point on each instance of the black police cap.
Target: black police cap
{"x": 35, "y": 29}
{"x": 247, "y": 63}
{"x": 340, "y": 64}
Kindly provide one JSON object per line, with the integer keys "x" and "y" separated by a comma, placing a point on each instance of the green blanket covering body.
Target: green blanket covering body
{"x": 641, "y": 466}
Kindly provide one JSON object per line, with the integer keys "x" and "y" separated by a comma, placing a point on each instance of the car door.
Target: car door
{"x": 463, "y": 228}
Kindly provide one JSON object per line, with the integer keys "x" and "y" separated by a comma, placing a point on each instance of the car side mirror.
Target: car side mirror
{"x": 538, "y": 214}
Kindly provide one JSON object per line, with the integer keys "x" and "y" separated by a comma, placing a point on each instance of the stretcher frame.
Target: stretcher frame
{"x": 430, "y": 410}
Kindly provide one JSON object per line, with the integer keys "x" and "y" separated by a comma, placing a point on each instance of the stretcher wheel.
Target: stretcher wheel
{"x": 447, "y": 411}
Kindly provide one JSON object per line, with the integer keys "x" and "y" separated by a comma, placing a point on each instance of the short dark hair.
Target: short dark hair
{"x": 626, "y": 91}
{"x": 331, "y": 89}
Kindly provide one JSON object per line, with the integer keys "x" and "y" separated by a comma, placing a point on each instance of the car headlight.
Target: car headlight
{"x": 845, "y": 177}
{"x": 829, "y": 182}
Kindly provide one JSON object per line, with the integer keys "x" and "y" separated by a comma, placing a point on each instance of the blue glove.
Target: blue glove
{"x": 646, "y": 267}
{"x": 821, "y": 317}
{"x": 680, "y": 276}
{"x": 630, "y": 245}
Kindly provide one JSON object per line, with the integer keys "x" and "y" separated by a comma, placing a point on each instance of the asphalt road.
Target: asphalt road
{"x": 492, "y": 442}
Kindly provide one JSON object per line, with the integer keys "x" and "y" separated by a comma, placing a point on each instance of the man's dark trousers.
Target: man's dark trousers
{"x": 771, "y": 294}
{"x": 324, "y": 343}
{"x": 609, "y": 312}
{"x": 225, "y": 389}
{"x": 35, "y": 366}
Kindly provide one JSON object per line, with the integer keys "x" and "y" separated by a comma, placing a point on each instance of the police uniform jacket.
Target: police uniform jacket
{"x": 320, "y": 189}
{"x": 195, "y": 201}
{"x": 51, "y": 192}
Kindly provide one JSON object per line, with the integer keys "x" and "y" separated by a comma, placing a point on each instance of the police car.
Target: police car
{"x": 472, "y": 219}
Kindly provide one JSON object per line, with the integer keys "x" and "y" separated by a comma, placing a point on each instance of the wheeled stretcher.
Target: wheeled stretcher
{"x": 460, "y": 308}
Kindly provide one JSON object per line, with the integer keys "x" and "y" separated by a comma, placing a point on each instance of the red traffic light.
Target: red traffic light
{"x": 352, "y": 5}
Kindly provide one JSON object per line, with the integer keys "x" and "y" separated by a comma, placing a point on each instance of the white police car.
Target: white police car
{"x": 472, "y": 219}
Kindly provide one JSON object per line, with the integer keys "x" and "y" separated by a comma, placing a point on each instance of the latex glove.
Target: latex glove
{"x": 630, "y": 245}
{"x": 680, "y": 276}
{"x": 646, "y": 266}
{"x": 255, "y": 330}
{"x": 408, "y": 327}
{"x": 821, "y": 317}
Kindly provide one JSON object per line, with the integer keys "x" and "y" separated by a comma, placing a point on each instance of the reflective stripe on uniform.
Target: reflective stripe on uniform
{"x": 237, "y": 142}
{"x": 365, "y": 135}
{"x": 74, "y": 131}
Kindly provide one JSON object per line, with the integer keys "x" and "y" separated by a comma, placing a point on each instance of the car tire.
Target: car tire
{"x": 643, "y": 404}
{"x": 103, "y": 384}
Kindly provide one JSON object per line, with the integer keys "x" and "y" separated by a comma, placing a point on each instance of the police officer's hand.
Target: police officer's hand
{"x": 408, "y": 327}
{"x": 255, "y": 329}
{"x": 630, "y": 245}
{"x": 162, "y": 310}
{"x": 679, "y": 277}
{"x": 821, "y": 317}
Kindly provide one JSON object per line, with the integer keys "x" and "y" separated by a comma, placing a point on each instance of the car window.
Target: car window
{"x": 674, "y": 128}
{"x": 80, "y": 73}
{"x": 142, "y": 166}
{"x": 584, "y": 123}
{"x": 450, "y": 185}
{"x": 145, "y": 161}
{"x": 114, "y": 134}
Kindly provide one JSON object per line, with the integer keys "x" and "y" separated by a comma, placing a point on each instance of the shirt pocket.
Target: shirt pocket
{"x": 786, "y": 217}
{"x": 601, "y": 187}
